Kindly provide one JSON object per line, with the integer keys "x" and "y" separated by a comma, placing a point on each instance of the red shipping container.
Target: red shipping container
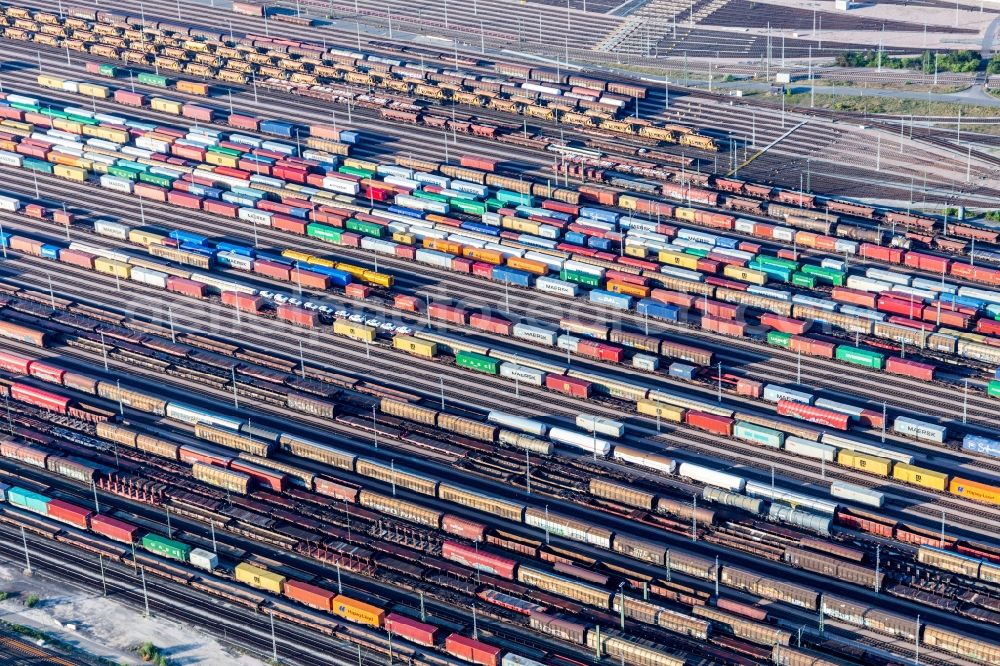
{"x": 752, "y": 248}
{"x": 272, "y": 269}
{"x": 988, "y": 327}
{"x": 901, "y": 366}
{"x": 355, "y": 290}
{"x": 720, "y": 425}
{"x": 638, "y": 263}
{"x": 62, "y": 217}
{"x": 77, "y": 258}
{"x": 673, "y": 297}
{"x": 477, "y": 162}
{"x": 568, "y": 208}
{"x": 39, "y": 398}
{"x": 324, "y": 131}
{"x": 243, "y": 302}
{"x": 725, "y": 259}
{"x": 483, "y": 269}
{"x": 299, "y": 316}
{"x": 799, "y": 343}
{"x": 478, "y": 559}
{"x": 34, "y": 210}
{"x": 46, "y": 372}
{"x": 337, "y": 490}
{"x": 224, "y": 208}
{"x": 911, "y": 308}
{"x": 254, "y": 167}
{"x": 708, "y": 266}
{"x": 717, "y": 309}
{"x": 349, "y": 239}
{"x": 749, "y": 387}
{"x": 196, "y": 112}
{"x": 953, "y": 307}
{"x": 826, "y": 417}
{"x": 69, "y": 513}
{"x": 187, "y": 287}
{"x": 628, "y": 278}
{"x": 785, "y": 324}
{"x": 467, "y": 529}
{"x": 893, "y": 255}
{"x": 241, "y": 121}
{"x": 129, "y": 98}
{"x": 309, "y": 279}
{"x": 147, "y": 191}
{"x": 404, "y": 302}
{"x": 857, "y": 297}
{"x": 472, "y": 650}
{"x": 448, "y": 313}
{"x": 491, "y": 324}
{"x": 411, "y": 630}
{"x": 114, "y": 529}
{"x": 332, "y": 216}
{"x": 232, "y": 172}
{"x": 577, "y": 388}
{"x": 600, "y": 351}
{"x": 190, "y": 152}
{"x": 183, "y": 199}
{"x": 189, "y": 454}
{"x": 309, "y": 595}
{"x": 946, "y": 318}
{"x": 723, "y": 326}
{"x": 406, "y": 252}
{"x": 927, "y": 262}
{"x": 462, "y": 265}
{"x": 728, "y": 284}
{"x": 871, "y": 419}
{"x": 912, "y": 323}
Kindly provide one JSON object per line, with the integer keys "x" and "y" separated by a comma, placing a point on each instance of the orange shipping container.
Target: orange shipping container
{"x": 310, "y": 595}
{"x": 442, "y": 245}
{"x": 529, "y": 265}
{"x": 358, "y": 611}
{"x": 482, "y": 254}
{"x": 973, "y": 490}
{"x": 636, "y": 290}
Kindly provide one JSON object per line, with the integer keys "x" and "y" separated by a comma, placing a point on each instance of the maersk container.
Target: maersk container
{"x": 712, "y": 477}
{"x": 518, "y": 423}
{"x": 862, "y": 357}
{"x": 165, "y": 547}
{"x": 758, "y": 434}
{"x": 928, "y": 432}
{"x": 522, "y": 373}
{"x": 683, "y": 371}
{"x": 588, "y": 442}
{"x": 986, "y": 446}
{"x": 28, "y": 500}
{"x": 810, "y": 449}
{"x": 619, "y": 301}
{"x": 657, "y": 310}
{"x": 774, "y": 393}
{"x": 600, "y": 425}
{"x": 535, "y": 334}
{"x": 554, "y": 286}
{"x": 859, "y": 494}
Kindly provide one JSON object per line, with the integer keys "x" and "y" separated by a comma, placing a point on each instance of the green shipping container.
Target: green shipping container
{"x": 758, "y": 434}
{"x": 360, "y": 173}
{"x": 108, "y": 70}
{"x": 779, "y": 339}
{"x": 232, "y": 152}
{"x": 324, "y": 232}
{"x": 860, "y": 357}
{"x": 477, "y": 362}
{"x": 123, "y": 172}
{"x": 767, "y": 260}
{"x": 161, "y": 545}
{"x": 366, "y": 228}
{"x": 580, "y": 277}
{"x": 468, "y": 207}
{"x": 420, "y": 194}
{"x": 53, "y": 113}
{"x": 776, "y": 272}
{"x": 25, "y": 107}
{"x": 993, "y": 389}
{"x": 803, "y": 280}
{"x": 26, "y": 499}
{"x": 508, "y": 197}
{"x": 829, "y": 275}
{"x": 32, "y": 164}
{"x": 494, "y": 204}
{"x": 83, "y": 120}
{"x": 696, "y": 252}
{"x": 153, "y": 79}
{"x": 156, "y": 179}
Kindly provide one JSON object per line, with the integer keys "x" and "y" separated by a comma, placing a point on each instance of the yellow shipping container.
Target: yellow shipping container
{"x": 143, "y": 237}
{"x": 628, "y": 202}
{"x": 221, "y": 159}
{"x": 918, "y": 476}
{"x": 73, "y": 173}
{"x": 354, "y": 331}
{"x": 681, "y": 259}
{"x": 484, "y": 254}
{"x": 296, "y": 255}
{"x": 112, "y": 267}
{"x": 405, "y": 238}
{"x": 637, "y": 251}
{"x": 519, "y": 224}
{"x": 355, "y": 163}
{"x": 356, "y": 271}
{"x": 664, "y": 411}
{"x": 64, "y": 158}
{"x": 745, "y": 274}
{"x": 17, "y": 127}
{"x": 165, "y": 105}
{"x": 686, "y": 214}
{"x": 193, "y": 87}
{"x": 67, "y": 125}
{"x": 415, "y": 346}
{"x": 93, "y": 90}
{"x": 378, "y": 279}
{"x": 358, "y": 611}
{"x": 262, "y": 579}
{"x": 46, "y": 81}
{"x": 320, "y": 261}
{"x": 865, "y": 463}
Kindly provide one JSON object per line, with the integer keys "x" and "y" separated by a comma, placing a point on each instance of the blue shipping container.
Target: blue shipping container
{"x": 349, "y": 136}
{"x": 337, "y": 277}
{"x": 598, "y": 243}
{"x": 223, "y": 246}
{"x": 5, "y": 239}
{"x": 599, "y": 214}
{"x": 682, "y": 370}
{"x": 188, "y": 237}
{"x": 50, "y": 252}
{"x": 408, "y": 212}
{"x": 620, "y": 301}
{"x": 983, "y": 445}
{"x": 575, "y": 237}
{"x": 512, "y": 276}
{"x": 480, "y": 228}
{"x": 657, "y": 310}
{"x": 277, "y": 127}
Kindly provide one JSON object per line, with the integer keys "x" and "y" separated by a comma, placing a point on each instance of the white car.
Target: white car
{"x": 374, "y": 323}
{"x": 342, "y": 314}
{"x": 403, "y": 330}
{"x": 357, "y": 318}
{"x": 267, "y": 294}
{"x": 297, "y": 302}
{"x": 388, "y": 326}
{"x": 281, "y": 298}
{"x": 326, "y": 309}
{"x": 309, "y": 305}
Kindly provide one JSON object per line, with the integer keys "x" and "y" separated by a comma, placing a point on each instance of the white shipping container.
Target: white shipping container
{"x": 789, "y": 496}
{"x": 774, "y": 393}
{"x": 585, "y": 441}
{"x": 810, "y": 449}
{"x": 267, "y": 180}
{"x": 8, "y": 158}
{"x": 888, "y": 276}
{"x": 859, "y": 494}
{"x": 569, "y": 343}
{"x": 518, "y": 423}
{"x": 341, "y": 186}
{"x": 262, "y": 217}
{"x": 11, "y": 204}
{"x": 434, "y": 258}
{"x": 149, "y": 276}
{"x": 535, "y": 334}
{"x": 71, "y": 86}
{"x": 786, "y": 234}
{"x": 522, "y": 373}
{"x": 711, "y": 477}
{"x": 108, "y": 119}
{"x": 646, "y": 362}
{"x": 137, "y": 152}
{"x": 237, "y": 261}
{"x": 929, "y": 432}
{"x": 554, "y": 286}
{"x": 99, "y": 158}
{"x": 277, "y": 147}
{"x": 834, "y": 264}
{"x": 152, "y": 143}
{"x": 981, "y": 294}
{"x": 844, "y": 246}
{"x": 376, "y": 245}
{"x": 111, "y": 229}
{"x": 433, "y": 179}
{"x": 842, "y": 442}
{"x": 511, "y": 659}
{"x": 683, "y": 273}
{"x": 221, "y": 284}
{"x": 643, "y": 459}
{"x": 600, "y": 425}
{"x": 744, "y": 226}
{"x": 867, "y": 284}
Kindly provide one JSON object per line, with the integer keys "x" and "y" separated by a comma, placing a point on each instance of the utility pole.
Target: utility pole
{"x": 104, "y": 581}
{"x": 145, "y": 594}
{"x": 274, "y": 641}
{"x": 27, "y": 557}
